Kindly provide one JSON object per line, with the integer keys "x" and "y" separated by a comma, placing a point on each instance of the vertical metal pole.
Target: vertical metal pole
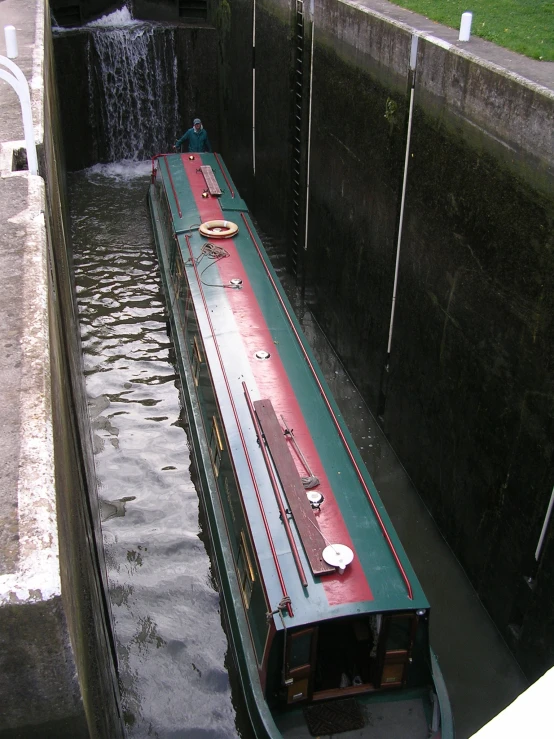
{"x": 413, "y": 64}
{"x": 309, "y": 140}
{"x": 254, "y": 88}
{"x": 544, "y": 527}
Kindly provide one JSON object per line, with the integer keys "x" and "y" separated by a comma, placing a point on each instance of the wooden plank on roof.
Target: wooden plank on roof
{"x": 302, "y": 512}
{"x": 211, "y": 182}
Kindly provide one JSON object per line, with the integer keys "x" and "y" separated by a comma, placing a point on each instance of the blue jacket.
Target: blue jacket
{"x": 197, "y": 141}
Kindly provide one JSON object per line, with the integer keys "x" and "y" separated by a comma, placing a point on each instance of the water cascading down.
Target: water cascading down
{"x": 132, "y": 89}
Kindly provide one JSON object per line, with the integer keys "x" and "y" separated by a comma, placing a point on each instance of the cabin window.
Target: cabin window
{"x": 180, "y": 286}
{"x": 216, "y": 446}
{"x": 300, "y": 657}
{"x": 300, "y": 649}
{"x": 246, "y": 571}
{"x": 190, "y": 323}
{"x": 174, "y": 255}
{"x": 400, "y": 633}
{"x": 196, "y": 361}
{"x": 169, "y": 231}
{"x": 398, "y": 641}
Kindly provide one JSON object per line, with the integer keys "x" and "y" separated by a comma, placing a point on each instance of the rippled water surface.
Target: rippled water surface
{"x": 170, "y": 643}
{"x": 171, "y": 646}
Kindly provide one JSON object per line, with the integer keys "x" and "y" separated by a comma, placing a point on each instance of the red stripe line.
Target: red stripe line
{"x": 336, "y": 422}
{"x": 273, "y": 382}
{"x": 239, "y": 428}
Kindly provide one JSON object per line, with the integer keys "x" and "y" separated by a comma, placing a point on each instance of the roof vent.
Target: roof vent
{"x": 339, "y": 556}
{"x": 315, "y": 498}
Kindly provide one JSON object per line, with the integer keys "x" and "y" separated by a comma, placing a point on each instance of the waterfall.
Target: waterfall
{"x": 132, "y": 87}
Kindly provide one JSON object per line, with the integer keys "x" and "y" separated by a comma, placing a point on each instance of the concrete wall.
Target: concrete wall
{"x": 268, "y": 193}
{"x": 57, "y": 668}
{"x": 82, "y": 567}
{"x": 465, "y": 396}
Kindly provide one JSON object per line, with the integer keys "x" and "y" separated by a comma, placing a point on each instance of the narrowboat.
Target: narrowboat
{"x": 326, "y": 620}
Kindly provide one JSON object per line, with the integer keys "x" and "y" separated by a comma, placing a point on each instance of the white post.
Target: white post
{"x": 465, "y": 26}
{"x": 17, "y": 80}
{"x": 11, "y": 42}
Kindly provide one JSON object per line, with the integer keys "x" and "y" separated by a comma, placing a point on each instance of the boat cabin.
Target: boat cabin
{"x": 320, "y": 598}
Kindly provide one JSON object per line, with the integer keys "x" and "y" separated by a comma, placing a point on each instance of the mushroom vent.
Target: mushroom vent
{"x": 338, "y": 555}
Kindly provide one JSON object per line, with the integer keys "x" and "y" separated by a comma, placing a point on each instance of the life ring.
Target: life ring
{"x": 219, "y": 229}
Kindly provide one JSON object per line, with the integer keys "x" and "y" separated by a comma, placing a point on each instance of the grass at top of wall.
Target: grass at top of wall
{"x": 525, "y": 26}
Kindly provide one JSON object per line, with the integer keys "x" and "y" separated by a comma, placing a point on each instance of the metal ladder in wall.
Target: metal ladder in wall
{"x": 298, "y": 204}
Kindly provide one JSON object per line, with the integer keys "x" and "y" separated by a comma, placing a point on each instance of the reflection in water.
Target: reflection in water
{"x": 114, "y": 508}
{"x": 170, "y": 643}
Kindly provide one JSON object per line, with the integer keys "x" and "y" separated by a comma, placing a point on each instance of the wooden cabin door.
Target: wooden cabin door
{"x": 300, "y": 663}
{"x": 398, "y": 637}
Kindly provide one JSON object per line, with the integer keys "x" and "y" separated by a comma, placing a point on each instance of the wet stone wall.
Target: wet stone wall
{"x": 268, "y": 191}
{"x": 134, "y": 90}
{"x": 358, "y": 134}
{"x": 471, "y": 368}
{"x": 85, "y": 612}
{"x": 273, "y": 113}
{"x": 233, "y": 24}
{"x": 466, "y": 395}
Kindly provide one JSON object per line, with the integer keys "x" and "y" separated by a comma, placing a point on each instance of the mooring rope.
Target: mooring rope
{"x": 281, "y": 607}
{"x": 311, "y": 481}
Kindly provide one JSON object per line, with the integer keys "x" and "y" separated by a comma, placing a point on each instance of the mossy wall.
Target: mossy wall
{"x": 466, "y": 395}
{"x": 471, "y": 365}
{"x": 357, "y": 152}
{"x": 233, "y": 22}
{"x": 267, "y": 191}
{"x": 84, "y": 607}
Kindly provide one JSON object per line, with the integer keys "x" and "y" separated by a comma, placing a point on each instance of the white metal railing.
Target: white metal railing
{"x": 17, "y": 80}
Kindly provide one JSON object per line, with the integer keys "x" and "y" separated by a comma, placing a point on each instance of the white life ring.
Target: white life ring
{"x": 218, "y": 229}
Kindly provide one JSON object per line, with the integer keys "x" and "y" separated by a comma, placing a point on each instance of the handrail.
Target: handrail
{"x": 223, "y": 173}
{"x": 173, "y": 188}
{"x": 239, "y": 428}
{"x": 153, "y": 177}
{"x": 335, "y": 420}
{"x": 275, "y": 487}
{"x": 154, "y": 170}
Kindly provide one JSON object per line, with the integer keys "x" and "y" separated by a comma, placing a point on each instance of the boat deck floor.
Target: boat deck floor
{"x": 383, "y": 720}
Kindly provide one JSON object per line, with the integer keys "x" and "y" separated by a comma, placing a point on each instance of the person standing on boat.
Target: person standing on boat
{"x": 196, "y": 138}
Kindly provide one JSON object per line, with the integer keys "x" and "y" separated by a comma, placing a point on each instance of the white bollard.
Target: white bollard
{"x": 11, "y": 42}
{"x": 465, "y": 26}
